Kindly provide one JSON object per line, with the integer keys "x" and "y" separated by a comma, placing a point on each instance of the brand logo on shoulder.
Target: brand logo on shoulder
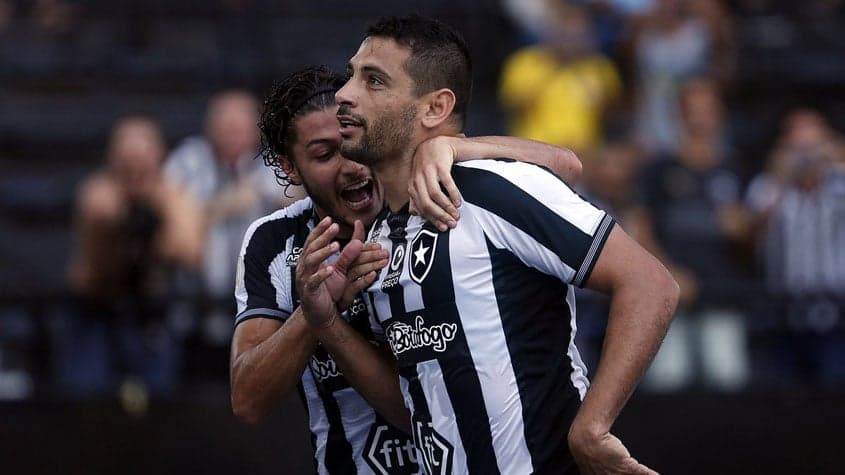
{"x": 293, "y": 258}
{"x": 436, "y": 450}
{"x": 422, "y": 254}
{"x": 403, "y": 337}
{"x": 389, "y": 451}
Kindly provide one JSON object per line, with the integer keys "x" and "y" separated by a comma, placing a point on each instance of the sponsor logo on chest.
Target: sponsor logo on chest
{"x": 436, "y": 451}
{"x": 389, "y": 451}
{"x": 397, "y": 263}
{"x": 403, "y": 337}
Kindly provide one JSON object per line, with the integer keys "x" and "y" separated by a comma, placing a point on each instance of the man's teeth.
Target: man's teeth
{"x": 357, "y": 186}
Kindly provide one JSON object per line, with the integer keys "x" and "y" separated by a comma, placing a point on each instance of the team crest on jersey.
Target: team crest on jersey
{"x": 422, "y": 254}
{"x": 397, "y": 261}
{"x": 293, "y": 258}
{"x": 436, "y": 451}
{"x": 389, "y": 451}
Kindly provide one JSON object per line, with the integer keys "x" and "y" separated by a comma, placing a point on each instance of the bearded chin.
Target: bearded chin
{"x": 362, "y": 152}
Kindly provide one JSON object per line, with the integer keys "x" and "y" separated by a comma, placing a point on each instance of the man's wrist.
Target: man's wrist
{"x": 320, "y": 323}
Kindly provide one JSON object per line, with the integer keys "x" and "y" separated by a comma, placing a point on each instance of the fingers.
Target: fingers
{"x": 347, "y": 256}
{"x": 430, "y": 202}
{"x": 436, "y": 192}
{"x": 370, "y": 259}
{"x": 361, "y": 283}
{"x": 354, "y": 288}
{"x": 318, "y": 245}
{"x": 313, "y": 282}
{"x": 452, "y": 191}
{"x": 318, "y": 230}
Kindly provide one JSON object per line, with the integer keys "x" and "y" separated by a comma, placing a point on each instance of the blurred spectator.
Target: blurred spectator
{"x": 692, "y": 202}
{"x": 609, "y": 182}
{"x": 219, "y": 170}
{"x": 57, "y": 17}
{"x": 557, "y": 91}
{"x": 680, "y": 39}
{"x": 799, "y": 203}
{"x": 131, "y": 229}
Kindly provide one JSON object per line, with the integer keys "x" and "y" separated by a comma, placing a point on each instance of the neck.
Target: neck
{"x": 394, "y": 174}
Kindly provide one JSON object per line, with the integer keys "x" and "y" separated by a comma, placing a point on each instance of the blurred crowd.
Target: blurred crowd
{"x": 640, "y": 89}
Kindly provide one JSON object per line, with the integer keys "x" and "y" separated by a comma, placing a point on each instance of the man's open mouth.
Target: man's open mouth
{"x": 358, "y": 195}
{"x": 347, "y": 123}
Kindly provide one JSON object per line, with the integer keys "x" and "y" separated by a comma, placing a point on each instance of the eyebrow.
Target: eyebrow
{"x": 319, "y": 142}
{"x": 368, "y": 68}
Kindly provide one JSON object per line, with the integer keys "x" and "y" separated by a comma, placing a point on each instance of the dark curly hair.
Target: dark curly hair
{"x": 439, "y": 56}
{"x": 304, "y": 91}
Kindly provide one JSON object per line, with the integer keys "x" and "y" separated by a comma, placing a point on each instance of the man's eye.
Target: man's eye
{"x": 374, "y": 81}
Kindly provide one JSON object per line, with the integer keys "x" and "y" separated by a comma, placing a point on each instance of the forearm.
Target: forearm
{"x": 261, "y": 375}
{"x": 368, "y": 370}
{"x": 561, "y": 161}
{"x": 639, "y": 316}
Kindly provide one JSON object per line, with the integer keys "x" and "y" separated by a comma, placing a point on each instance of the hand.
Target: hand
{"x": 361, "y": 273}
{"x": 603, "y": 454}
{"x": 432, "y": 168}
{"x": 321, "y": 285}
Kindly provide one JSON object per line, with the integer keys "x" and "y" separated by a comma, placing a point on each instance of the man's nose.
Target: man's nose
{"x": 344, "y": 95}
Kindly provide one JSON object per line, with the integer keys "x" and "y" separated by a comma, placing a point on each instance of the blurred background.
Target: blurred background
{"x": 712, "y": 130}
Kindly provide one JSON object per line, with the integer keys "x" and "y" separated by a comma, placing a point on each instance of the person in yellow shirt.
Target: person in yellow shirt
{"x": 557, "y": 91}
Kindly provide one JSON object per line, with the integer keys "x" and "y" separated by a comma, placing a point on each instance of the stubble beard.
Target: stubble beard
{"x": 389, "y": 136}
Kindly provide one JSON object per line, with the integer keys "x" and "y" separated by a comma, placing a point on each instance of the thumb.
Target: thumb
{"x": 358, "y": 231}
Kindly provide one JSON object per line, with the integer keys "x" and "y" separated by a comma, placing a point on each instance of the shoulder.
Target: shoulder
{"x": 192, "y": 155}
{"x": 493, "y": 176}
{"x": 275, "y": 228}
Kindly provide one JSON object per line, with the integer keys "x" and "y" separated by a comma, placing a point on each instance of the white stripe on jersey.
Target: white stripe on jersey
{"x": 437, "y": 398}
{"x": 579, "y": 369}
{"x": 318, "y": 420}
{"x": 357, "y": 417}
{"x": 504, "y": 235}
{"x": 485, "y": 337}
{"x": 566, "y": 203}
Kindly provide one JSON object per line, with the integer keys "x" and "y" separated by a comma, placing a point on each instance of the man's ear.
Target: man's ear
{"x": 438, "y": 107}
{"x": 290, "y": 170}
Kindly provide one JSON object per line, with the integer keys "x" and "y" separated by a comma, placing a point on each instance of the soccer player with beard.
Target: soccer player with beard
{"x": 481, "y": 317}
{"x": 272, "y": 348}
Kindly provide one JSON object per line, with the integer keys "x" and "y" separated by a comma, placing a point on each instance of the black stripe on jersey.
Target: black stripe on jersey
{"x": 497, "y": 195}
{"x": 459, "y": 375}
{"x": 338, "y": 455}
{"x": 397, "y": 223}
{"x": 536, "y": 323}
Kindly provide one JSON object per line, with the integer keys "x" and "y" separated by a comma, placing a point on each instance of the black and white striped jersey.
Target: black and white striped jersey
{"x": 482, "y": 319}
{"x": 348, "y": 435}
